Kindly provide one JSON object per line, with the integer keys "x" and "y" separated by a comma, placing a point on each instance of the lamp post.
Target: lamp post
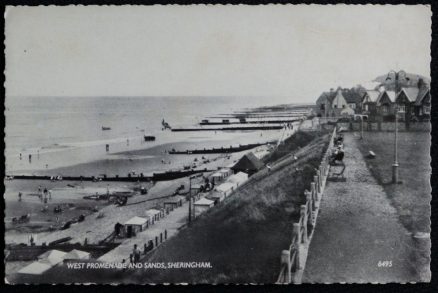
{"x": 397, "y": 76}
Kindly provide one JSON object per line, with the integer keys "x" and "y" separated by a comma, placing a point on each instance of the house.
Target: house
{"x": 354, "y": 100}
{"x": 248, "y": 164}
{"x": 135, "y": 225}
{"x": 77, "y": 254}
{"x": 335, "y": 104}
{"x": 405, "y": 101}
{"x": 216, "y": 178}
{"x": 202, "y": 205}
{"x": 422, "y": 103}
{"x": 368, "y": 102}
{"x": 385, "y": 104}
{"x": 174, "y": 202}
{"x": 225, "y": 172}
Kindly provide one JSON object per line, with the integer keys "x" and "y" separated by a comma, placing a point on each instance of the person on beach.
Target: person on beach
{"x": 20, "y": 156}
{"x": 30, "y": 158}
{"x": 39, "y": 189}
{"x": 19, "y": 196}
{"x": 50, "y": 194}
{"x": 130, "y": 258}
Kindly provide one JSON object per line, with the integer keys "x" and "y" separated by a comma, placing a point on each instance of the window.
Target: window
{"x": 402, "y": 108}
{"x": 343, "y": 106}
{"x": 336, "y": 106}
{"x": 322, "y": 107}
{"x": 385, "y": 109}
{"x": 352, "y": 106}
{"x": 426, "y": 109}
{"x": 366, "y": 107}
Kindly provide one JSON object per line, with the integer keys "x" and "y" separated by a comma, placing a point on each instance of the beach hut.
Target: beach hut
{"x": 216, "y": 196}
{"x": 195, "y": 189}
{"x": 35, "y": 268}
{"x": 77, "y": 254}
{"x": 202, "y": 205}
{"x": 154, "y": 215}
{"x": 225, "y": 172}
{"x": 216, "y": 178}
{"x": 249, "y": 164}
{"x": 238, "y": 178}
{"x": 226, "y": 188}
{"x": 174, "y": 202}
{"x": 135, "y": 225}
{"x": 52, "y": 257}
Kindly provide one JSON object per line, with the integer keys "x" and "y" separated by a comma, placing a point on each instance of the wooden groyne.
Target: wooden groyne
{"x": 221, "y": 150}
{"x": 244, "y": 121}
{"x": 294, "y": 258}
{"x": 236, "y": 128}
{"x": 170, "y": 175}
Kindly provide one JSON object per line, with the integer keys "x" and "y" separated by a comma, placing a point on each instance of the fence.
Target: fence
{"x": 294, "y": 258}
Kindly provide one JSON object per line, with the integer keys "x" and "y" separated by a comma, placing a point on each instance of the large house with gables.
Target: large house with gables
{"x": 410, "y": 102}
{"x": 342, "y": 102}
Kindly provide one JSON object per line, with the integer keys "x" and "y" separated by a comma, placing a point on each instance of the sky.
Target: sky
{"x": 288, "y": 53}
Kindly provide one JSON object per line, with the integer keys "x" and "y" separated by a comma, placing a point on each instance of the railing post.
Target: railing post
{"x": 304, "y": 222}
{"x": 314, "y": 195}
{"x": 316, "y": 180}
{"x": 285, "y": 261}
{"x": 318, "y": 173}
{"x": 311, "y": 207}
{"x": 297, "y": 245}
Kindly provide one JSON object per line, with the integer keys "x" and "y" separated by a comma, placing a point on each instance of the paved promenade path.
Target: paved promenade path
{"x": 172, "y": 222}
{"x": 356, "y": 228}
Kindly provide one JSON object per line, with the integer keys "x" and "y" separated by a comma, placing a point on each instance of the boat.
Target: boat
{"x": 105, "y": 128}
{"x": 149, "y": 138}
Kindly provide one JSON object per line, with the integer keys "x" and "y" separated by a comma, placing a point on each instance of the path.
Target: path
{"x": 171, "y": 222}
{"x": 357, "y": 227}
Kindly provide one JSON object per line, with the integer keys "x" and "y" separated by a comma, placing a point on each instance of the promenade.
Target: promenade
{"x": 357, "y": 228}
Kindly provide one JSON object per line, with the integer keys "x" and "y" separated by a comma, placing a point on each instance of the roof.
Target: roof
{"x": 174, "y": 199}
{"x": 411, "y": 93}
{"x": 239, "y": 177}
{"x": 421, "y": 94}
{"x": 136, "y": 221}
{"x": 225, "y": 186}
{"x": 52, "y": 257}
{"x": 204, "y": 202}
{"x": 152, "y": 212}
{"x": 389, "y": 94}
{"x": 35, "y": 268}
{"x": 373, "y": 95}
{"x": 248, "y": 162}
{"x": 217, "y": 174}
{"x": 77, "y": 254}
{"x": 351, "y": 96}
{"x": 216, "y": 194}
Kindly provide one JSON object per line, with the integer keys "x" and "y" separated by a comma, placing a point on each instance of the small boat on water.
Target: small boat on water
{"x": 105, "y": 128}
{"x": 149, "y": 138}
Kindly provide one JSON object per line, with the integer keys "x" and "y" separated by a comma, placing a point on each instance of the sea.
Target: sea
{"x": 51, "y": 132}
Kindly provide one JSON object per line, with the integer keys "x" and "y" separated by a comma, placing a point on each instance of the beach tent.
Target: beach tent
{"x": 52, "y": 257}
{"x": 238, "y": 178}
{"x": 77, "y": 254}
{"x": 249, "y": 164}
{"x": 226, "y": 188}
{"x": 135, "y": 225}
{"x": 202, "y": 205}
{"x": 35, "y": 268}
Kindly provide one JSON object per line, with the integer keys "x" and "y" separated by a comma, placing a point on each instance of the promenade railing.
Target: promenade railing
{"x": 294, "y": 258}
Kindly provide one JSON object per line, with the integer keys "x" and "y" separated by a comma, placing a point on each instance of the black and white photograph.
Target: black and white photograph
{"x": 217, "y": 144}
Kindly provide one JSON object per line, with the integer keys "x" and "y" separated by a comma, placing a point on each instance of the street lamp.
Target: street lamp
{"x": 397, "y": 76}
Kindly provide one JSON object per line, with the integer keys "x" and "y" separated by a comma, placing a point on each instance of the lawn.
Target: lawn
{"x": 412, "y": 197}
